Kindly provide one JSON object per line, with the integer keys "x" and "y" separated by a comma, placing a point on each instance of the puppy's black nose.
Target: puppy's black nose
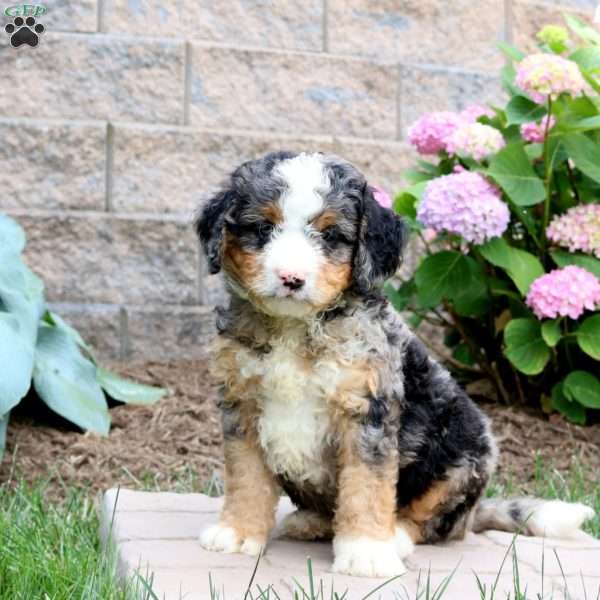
{"x": 293, "y": 283}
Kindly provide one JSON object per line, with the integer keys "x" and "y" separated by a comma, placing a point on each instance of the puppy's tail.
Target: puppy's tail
{"x": 532, "y": 516}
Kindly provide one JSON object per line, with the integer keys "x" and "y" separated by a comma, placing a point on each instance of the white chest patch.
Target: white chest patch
{"x": 294, "y": 426}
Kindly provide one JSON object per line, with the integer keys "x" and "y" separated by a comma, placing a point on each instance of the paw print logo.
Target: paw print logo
{"x": 24, "y": 31}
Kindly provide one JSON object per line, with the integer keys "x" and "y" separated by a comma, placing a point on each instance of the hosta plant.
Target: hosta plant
{"x": 506, "y": 201}
{"x": 38, "y": 349}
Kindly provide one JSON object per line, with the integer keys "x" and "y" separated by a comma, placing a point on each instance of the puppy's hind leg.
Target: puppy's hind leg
{"x": 306, "y": 525}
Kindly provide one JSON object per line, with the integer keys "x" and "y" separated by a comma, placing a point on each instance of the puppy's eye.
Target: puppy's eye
{"x": 265, "y": 229}
{"x": 333, "y": 235}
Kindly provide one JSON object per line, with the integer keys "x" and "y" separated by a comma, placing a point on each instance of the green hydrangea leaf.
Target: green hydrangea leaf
{"x": 564, "y": 259}
{"x": 442, "y": 275}
{"x": 585, "y": 153}
{"x": 525, "y": 347}
{"x": 521, "y": 266}
{"x": 551, "y": 332}
{"x": 588, "y": 336}
{"x": 573, "y": 411}
{"x": 512, "y": 171}
{"x": 582, "y": 387}
{"x": 523, "y": 110}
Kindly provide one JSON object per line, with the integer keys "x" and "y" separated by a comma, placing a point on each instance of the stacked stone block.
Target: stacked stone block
{"x": 129, "y": 113}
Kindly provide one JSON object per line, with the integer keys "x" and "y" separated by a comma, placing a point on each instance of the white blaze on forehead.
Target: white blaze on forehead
{"x": 306, "y": 184}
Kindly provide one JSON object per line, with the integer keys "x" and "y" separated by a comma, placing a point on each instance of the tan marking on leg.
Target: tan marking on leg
{"x": 366, "y": 504}
{"x": 425, "y": 507}
{"x": 307, "y": 525}
{"x": 251, "y": 493}
{"x": 413, "y": 530}
{"x": 351, "y": 396}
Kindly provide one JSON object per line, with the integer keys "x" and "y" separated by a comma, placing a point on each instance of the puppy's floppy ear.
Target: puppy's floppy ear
{"x": 210, "y": 226}
{"x": 382, "y": 236}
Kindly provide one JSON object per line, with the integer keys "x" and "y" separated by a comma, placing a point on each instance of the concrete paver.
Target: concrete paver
{"x": 155, "y": 535}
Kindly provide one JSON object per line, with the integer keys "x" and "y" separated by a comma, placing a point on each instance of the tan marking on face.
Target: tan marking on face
{"x": 366, "y": 504}
{"x": 251, "y": 493}
{"x": 333, "y": 279}
{"x": 272, "y": 212}
{"x": 239, "y": 263}
{"x": 324, "y": 220}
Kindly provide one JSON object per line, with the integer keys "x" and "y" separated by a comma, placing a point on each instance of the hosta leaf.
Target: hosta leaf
{"x": 522, "y": 267}
{"x": 573, "y": 411}
{"x": 583, "y": 387}
{"x": 66, "y": 381}
{"x": 563, "y": 259}
{"x": 12, "y": 236}
{"x": 128, "y": 391}
{"x": 22, "y": 295}
{"x": 551, "y": 332}
{"x": 511, "y": 169}
{"x": 442, "y": 275}
{"x": 16, "y": 360}
{"x": 588, "y": 336}
{"x": 523, "y": 110}
{"x": 3, "y": 427}
{"x": 525, "y": 347}
{"x": 56, "y": 321}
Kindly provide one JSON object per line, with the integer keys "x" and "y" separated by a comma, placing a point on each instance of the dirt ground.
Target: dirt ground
{"x": 176, "y": 444}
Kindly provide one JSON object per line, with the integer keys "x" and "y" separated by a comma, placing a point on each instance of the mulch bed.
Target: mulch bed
{"x": 177, "y": 444}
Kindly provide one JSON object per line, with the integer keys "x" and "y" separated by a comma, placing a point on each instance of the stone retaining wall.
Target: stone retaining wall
{"x": 129, "y": 113}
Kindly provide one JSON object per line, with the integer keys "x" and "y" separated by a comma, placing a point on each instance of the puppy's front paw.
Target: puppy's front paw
{"x": 364, "y": 557}
{"x": 221, "y": 538}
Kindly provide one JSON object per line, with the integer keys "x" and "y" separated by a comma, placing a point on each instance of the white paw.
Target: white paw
{"x": 364, "y": 557}
{"x": 221, "y": 538}
{"x": 404, "y": 543}
{"x": 559, "y": 519}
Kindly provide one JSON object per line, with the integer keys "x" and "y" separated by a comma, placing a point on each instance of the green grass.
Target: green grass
{"x": 49, "y": 550}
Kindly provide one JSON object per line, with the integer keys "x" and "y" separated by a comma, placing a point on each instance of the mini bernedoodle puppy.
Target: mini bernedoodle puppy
{"x": 325, "y": 392}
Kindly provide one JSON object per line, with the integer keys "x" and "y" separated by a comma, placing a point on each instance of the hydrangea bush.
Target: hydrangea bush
{"x": 506, "y": 201}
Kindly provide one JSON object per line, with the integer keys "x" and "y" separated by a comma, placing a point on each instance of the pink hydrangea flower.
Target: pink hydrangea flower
{"x": 535, "y": 132}
{"x": 430, "y": 132}
{"x": 466, "y": 204}
{"x": 381, "y": 197}
{"x": 577, "y": 229}
{"x": 472, "y": 112}
{"x": 475, "y": 140}
{"x": 546, "y": 75}
{"x": 566, "y": 292}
